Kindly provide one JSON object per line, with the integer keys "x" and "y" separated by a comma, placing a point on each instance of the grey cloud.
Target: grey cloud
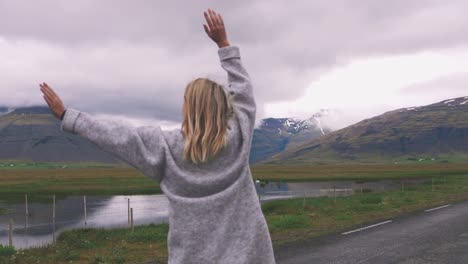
{"x": 85, "y": 21}
{"x": 450, "y": 86}
{"x": 163, "y": 106}
{"x": 435, "y": 90}
{"x": 154, "y": 48}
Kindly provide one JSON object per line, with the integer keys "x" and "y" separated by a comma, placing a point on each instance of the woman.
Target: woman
{"x": 214, "y": 213}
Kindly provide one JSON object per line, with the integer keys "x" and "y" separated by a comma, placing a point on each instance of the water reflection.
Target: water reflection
{"x": 112, "y": 211}
{"x": 285, "y": 190}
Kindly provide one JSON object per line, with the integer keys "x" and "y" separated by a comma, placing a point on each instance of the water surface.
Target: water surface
{"x": 112, "y": 211}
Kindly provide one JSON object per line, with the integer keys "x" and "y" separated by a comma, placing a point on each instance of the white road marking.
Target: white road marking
{"x": 360, "y": 229}
{"x": 437, "y": 208}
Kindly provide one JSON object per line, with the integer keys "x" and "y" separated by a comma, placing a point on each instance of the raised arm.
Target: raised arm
{"x": 240, "y": 87}
{"x": 142, "y": 147}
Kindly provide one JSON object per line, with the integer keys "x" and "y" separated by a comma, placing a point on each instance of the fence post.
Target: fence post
{"x": 27, "y": 209}
{"x": 334, "y": 193}
{"x": 10, "y": 233}
{"x": 131, "y": 219}
{"x": 128, "y": 209}
{"x": 85, "y": 211}
{"x": 53, "y": 220}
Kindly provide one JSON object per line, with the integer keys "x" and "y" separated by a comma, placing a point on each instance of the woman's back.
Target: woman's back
{"x": 215, "y": 214}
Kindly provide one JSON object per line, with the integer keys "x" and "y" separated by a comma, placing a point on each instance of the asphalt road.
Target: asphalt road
{"x": 439, "y": 236}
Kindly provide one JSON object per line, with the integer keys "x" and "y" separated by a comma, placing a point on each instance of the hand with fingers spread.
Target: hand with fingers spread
{"x": 214, "y": 27}
{"x": 53, "y": 100}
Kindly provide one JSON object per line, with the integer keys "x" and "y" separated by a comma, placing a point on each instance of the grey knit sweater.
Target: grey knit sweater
{"x": 214, "y": 212}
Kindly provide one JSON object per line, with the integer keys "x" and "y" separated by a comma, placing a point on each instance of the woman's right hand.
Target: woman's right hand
{"x": 53, "y": 100}
{"x": 214, "y": 28}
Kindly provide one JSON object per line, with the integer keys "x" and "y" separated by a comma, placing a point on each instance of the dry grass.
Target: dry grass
{"x": 75, "y": 181}
{"x": 355, "y": 172}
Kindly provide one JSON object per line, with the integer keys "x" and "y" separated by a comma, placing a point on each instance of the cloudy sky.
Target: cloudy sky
{"x": 132, "y": 59}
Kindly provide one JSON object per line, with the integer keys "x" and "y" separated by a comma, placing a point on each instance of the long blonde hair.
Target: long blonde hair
{"x": 206, "y": 111}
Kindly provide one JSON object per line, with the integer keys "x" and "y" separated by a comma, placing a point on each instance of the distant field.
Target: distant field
{"x": 45, "y": 165}
{"x": 331, "y": 158}
{"x": 75, "y": 181}
{"x": 355, "y": 172}
{"x": 19, "y": 178}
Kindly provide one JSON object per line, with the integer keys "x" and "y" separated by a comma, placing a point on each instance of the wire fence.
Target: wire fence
{"x": 46, "y": 216}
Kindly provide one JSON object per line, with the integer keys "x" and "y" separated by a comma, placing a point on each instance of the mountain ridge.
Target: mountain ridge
{"x": 439, "y": 129}
{"x": 32, "y": 133}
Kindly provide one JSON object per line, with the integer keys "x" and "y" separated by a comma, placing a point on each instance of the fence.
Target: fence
{"x": 344, "y": 188}
{"x": 50, "y": 216}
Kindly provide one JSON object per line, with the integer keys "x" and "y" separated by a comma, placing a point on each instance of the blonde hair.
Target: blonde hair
{"x": 205, "y": 113}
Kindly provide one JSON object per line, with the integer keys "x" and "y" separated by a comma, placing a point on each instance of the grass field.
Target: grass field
{"x": 97, "y": 246}
{"x": 300, "y": 219}
{"x": 75, "y": 181}
{"x": 355, "y": 171}
{"x": 290, "y": 221}
{"x": 99, "y": 179}
{"x": 15, "y": 165}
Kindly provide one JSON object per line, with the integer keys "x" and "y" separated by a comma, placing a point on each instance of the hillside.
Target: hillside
{"x": 32, "y": 133}
{"x": 438, "y": 132}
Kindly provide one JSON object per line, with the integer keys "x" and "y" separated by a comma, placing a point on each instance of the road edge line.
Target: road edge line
{"x": 437, "y": 208}
{"x": 367, "y": 227}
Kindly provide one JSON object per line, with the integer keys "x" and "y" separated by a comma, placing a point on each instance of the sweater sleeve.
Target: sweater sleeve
{"x": 240, "y": 88}
{"x": 141, "y": 147}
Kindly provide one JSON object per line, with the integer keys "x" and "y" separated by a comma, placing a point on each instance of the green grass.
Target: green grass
{"x": 290, "y": 221}
{"x": 99, "y": 246}
{"x": 6, "y": 251}
{"x": 321, "y": 216}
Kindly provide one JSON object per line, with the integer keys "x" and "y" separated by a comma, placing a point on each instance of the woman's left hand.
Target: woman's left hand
{"x": 215, "y": 28}
{"x": 53, "y": 100}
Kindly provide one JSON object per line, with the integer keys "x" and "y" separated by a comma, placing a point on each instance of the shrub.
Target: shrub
{"x": 372, "y": 199}
{"x": 7, "y": 251}
{"x": 288, "y": 221}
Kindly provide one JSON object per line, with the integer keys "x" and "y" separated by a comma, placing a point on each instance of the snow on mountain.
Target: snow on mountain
{"x": 274, "y": 135}
{"x": 454, "y": 102}
{"x": 319, "y": 124}
{"x": 292, "y": 126}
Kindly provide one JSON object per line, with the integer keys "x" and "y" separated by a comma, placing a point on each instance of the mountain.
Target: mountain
{"x": 4, "y": 110}
{"x": 437, "y": 131}
{"x": 275, "y": 135}
{"x": 32, "y": 133}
